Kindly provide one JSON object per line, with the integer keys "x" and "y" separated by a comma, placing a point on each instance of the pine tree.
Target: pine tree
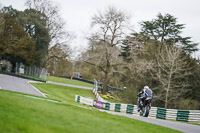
{"x": 165, "y": 29}
{"x": 125, "y": 50}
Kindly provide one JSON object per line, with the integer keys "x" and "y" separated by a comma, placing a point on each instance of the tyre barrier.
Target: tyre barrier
{"x": 159, "y": 113}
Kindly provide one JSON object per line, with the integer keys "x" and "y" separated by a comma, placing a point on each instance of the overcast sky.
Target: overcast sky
{"x": 78, "y": 13}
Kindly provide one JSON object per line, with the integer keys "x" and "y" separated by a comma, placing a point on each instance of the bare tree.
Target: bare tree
{"x": 105, "y": 59}
{"x": 111, "y": 26}
{"x": 108, "y": 31}
{"x": 174, "y": 69}
{"x": 58, "y": 61}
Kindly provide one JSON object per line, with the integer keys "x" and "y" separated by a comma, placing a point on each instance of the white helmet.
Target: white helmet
{"x": 146, "y": 87}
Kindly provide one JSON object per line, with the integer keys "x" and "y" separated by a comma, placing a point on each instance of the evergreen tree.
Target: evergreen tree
{"x": 125, "y": 50}
{"x": 15, "y": 44}
{"x": 32, "y": 22}
{"x": 166, "y": 30}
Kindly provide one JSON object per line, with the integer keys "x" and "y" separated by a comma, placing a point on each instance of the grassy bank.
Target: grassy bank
{"x": 20, "y": 114}
{"x": 68, "y": 81}
{"x": 62, "y": 93}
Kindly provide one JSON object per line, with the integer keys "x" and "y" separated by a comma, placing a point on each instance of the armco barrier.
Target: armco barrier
{"x": 95, "y": 92}
{"x": 107, "y": 106}
{"x": 159, "y": 113}
{"x": 99, "y": 105}
{"x": 123, "y": 108}
{"x": 153, "y": 111}
{"x": 171, "y": 114}
{"x": 194, "y": 116}
{"x": 129, "y": 109}
{"x": 117, "y": 107}
{"x": 83, "y": 100}
{"x": 182, "y": 115}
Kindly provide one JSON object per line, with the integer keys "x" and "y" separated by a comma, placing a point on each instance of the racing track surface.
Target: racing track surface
{"x": 19, "y": 85}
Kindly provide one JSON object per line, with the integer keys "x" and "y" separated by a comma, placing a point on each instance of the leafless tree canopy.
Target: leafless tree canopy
{"x": 108, "y": 31}
{"x": 174, "y": 68}
{"x": 104, "y": 58}
{"x": 111, "y": 25}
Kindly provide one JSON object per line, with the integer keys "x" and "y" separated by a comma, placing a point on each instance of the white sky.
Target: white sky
{"x": 78, "y": 13}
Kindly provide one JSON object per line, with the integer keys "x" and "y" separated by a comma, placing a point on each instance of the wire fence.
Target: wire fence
{"x": 20, "y": 69}
{"x": 34, "y": 71}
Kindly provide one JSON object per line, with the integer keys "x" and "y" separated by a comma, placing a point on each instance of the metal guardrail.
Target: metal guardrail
{"x": 159, "y": 113}
{"x": 95, "y": 92}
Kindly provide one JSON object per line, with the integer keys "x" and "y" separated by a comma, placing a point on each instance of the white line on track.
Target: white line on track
{"x": 35, "y": 87}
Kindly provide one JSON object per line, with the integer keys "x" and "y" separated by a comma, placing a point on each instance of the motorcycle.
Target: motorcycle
{"x": 146, "y": 106}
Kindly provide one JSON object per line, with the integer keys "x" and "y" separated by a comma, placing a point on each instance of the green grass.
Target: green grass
{"x": 73, "y": 82}
{"x": 32, "y": 77}
{"x": 65, "y": 95}
{"x": 68, "y": 81}
{"x": 19, "y": 114}
{"x": 112, "y": 100}
{"x": 62, "y": 93}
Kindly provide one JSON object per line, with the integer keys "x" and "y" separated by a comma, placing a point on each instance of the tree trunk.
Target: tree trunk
{"x": 168, "y": 86}
{"x": 13, "y": 67}
{"x": 105, "y": 88}
{"x": 166, "y": 98}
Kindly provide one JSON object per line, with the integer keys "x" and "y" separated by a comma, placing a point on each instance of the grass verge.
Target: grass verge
{"x": 68, "y": 81}
{"x": 62, "y": 93}
{"x": 20, "y": 114}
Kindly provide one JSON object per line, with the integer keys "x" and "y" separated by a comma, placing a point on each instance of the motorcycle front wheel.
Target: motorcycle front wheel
{"x": 145, "y": 111}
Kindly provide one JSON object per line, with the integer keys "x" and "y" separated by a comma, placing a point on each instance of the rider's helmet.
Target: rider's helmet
{"x": 146, "y": 87}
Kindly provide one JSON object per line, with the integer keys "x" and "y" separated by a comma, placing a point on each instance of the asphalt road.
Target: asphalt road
{"x": 184, "y": 127}
{"x": 18, "y": 85}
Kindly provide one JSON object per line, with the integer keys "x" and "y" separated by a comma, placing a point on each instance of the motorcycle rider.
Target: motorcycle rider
{"x": 143, "y": 94}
